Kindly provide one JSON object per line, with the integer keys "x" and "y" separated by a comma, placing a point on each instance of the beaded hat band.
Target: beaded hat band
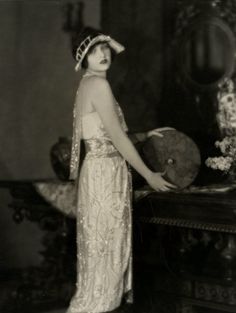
{"x": 90, "y": 41}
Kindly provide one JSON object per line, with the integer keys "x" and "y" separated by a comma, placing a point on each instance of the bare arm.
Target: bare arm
{"x": 137, "y": 137}
{"x": 140, "y": 137}
{"x": 103, "y": 101}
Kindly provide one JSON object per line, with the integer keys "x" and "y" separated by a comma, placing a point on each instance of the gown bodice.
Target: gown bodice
{"x": 97, "y": 141}
{"x": 93, "y": 128}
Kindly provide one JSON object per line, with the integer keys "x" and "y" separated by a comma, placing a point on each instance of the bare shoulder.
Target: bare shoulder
{"x": 97, "y": 84}
{"x": 99, "y": 93}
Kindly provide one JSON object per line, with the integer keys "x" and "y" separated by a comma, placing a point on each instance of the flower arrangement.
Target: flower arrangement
{"x": 226, "y": 119}
{"x": 227, "y": 161}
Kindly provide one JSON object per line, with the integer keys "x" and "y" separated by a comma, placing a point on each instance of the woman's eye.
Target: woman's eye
{"x": 93, "y": 50}
{"x": 105, "y": 47}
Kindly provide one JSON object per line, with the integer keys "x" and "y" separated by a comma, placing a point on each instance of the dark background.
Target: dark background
{"x": 37, "y": 84}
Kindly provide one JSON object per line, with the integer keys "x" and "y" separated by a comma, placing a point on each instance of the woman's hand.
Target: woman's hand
{"x": 158, "y": 183}
{"x": 157, "y": 131}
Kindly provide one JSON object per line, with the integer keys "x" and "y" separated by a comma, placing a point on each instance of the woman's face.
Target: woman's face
{"x": 99, "y": 58}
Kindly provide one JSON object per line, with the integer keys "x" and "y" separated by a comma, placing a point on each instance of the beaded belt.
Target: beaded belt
{"x": 100, "y": 148}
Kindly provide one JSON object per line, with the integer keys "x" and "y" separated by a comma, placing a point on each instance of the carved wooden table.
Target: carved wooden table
{"x": 51, "y": 284}
{"x": 193, "y": 238}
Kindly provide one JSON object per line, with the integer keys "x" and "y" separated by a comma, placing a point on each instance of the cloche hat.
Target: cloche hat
{"x": 91, "y": 37}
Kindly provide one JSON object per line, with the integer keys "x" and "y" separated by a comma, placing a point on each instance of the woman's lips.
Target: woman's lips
{"x": 103, "y": 61}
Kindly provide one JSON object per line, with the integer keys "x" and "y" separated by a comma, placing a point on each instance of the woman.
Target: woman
{"x": 104, "y": 198}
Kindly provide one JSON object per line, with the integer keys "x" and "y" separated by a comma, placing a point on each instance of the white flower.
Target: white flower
{"x": 220, "y": 163}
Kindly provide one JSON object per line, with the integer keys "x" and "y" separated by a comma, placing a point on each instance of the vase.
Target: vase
{"x": 60, "y": 158}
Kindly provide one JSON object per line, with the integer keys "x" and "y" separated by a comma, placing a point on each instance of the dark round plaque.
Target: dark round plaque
{"x": 175, "y": 154}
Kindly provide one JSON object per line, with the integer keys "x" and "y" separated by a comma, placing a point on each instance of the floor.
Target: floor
{"x": 55, "y": 311}
{"x": 7, "y": 292}
{"x": 144, "y": 303}
{"x": 64, "y": 311}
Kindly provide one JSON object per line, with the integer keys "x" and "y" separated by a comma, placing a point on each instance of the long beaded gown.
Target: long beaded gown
{"x": 104, "y": 243}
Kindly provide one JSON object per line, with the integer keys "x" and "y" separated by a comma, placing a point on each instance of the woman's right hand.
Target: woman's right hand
{"x": 158, "y": 183}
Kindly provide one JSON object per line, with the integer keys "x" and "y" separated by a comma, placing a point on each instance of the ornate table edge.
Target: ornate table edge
{"x": 189, "y": 224}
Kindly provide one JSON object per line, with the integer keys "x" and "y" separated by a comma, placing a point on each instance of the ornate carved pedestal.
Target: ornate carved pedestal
{"x": 186, "y": 250}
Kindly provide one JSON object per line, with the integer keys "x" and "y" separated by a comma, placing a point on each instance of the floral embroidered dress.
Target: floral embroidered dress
{"x": 104, "y": 243}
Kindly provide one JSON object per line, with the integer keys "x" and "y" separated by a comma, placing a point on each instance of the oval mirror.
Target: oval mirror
{"x": 207, "y": 53}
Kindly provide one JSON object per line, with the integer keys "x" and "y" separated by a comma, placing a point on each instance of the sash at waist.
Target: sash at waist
{"x": 100, "y": 148}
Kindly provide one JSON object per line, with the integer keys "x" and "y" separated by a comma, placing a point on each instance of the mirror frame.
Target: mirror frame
{"x": 197, "y": 23}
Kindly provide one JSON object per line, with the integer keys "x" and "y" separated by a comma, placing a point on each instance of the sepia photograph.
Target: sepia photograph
{"x": 118, "y": 156}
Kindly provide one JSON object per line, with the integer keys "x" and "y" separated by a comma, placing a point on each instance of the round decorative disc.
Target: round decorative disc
{"x": 175, "y": 154}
